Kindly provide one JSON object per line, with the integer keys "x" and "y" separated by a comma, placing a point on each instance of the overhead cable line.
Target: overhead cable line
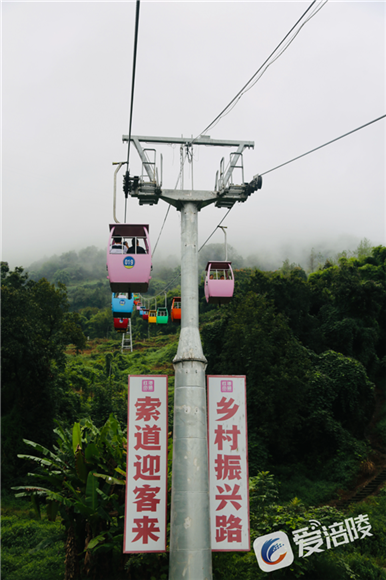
{"x": 166, "y": 288}
{"x": 324, "y": 145}
{"x": 127, "y": 176}
{"x": 207, "y": 240}
{"x": 311, "y": 15}
{"x": 179, "y": 178}
{"x": 245, "y": 89}
{"x": 167, "y": 212}
{"x": 240, "y": 94}
{"x": 248, "y": 85}
{"x": 159, "y": 235}
{"x": 170, "y": 284}
{"x": 299, "y": 157}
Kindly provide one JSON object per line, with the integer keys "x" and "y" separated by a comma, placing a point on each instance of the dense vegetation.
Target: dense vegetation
{"x": 313, "y": 349}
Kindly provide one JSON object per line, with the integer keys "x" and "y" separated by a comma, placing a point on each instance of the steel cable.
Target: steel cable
{"x": 324, "y": 145}
{"x": 244, "y": 89}
{"x": 132, "y": 88}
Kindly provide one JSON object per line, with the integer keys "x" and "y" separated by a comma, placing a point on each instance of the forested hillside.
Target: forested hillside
{"x": 313, "y": 348}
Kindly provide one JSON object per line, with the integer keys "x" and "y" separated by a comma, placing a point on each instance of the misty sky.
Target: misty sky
{"x": 67, "y": 70}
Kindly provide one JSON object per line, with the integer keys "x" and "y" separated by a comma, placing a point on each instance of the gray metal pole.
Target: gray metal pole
{"x": 190, "y": 547}
{"x": 225, "y": 234}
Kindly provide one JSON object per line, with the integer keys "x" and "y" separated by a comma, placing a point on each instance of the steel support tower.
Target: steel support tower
{"x": 190, "y": 544}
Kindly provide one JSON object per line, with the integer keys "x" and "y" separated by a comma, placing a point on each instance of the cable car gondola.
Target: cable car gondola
{"x": 176, "y": 309}
{"x": 162, "y": 315}
{"x": 145, "y": 314}
{"x": 219, "y": 282}
{"x": 121, "y": 305}
{"x": 152, "y": 316}
{"x": 129, "y": 258}
{"x": 121, "y": 324}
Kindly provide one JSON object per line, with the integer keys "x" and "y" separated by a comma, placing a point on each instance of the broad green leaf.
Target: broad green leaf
{"x": 76, "y": 493}
{"x": 36, "y": 506}
{"x": 48, "y": 542}
{"x": 63, "y": 435}
{"x": 50, "y": 475}
{"x": 43, "y": 450}
{"x": 63, "y": 500}
{"x": 103, "y": 495}
{"x": 80, "y": 466}
{"x": 81, "y": 508}
{"x": 111, "y": 480}
{"x": 40, "y": 460}
{"x": 105, "y": 547}
{"x": 76, "y": 437}
{"x": 52, "y": 510}
{"x": 94, "y": 542}
{"x": 91, "y": 452}
{"x": 120, "y": 471}
{"x": 31, "y": 488}
{"x": 117, "y": 541}
{"x": 91, "y": 493}
{"x": 103, "y": 514}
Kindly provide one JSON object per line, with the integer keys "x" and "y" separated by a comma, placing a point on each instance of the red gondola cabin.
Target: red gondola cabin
{"x": 121, "y": 324}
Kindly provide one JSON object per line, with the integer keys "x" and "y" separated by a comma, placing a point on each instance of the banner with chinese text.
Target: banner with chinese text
{"x": 228, "y": 463}
{"x": 147, "y": 455}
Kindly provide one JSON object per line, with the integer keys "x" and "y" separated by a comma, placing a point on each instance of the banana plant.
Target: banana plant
{"x": 83, "y": 478}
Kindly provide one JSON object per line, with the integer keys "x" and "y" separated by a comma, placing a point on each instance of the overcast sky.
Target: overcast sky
{"x": 67, "y": 70}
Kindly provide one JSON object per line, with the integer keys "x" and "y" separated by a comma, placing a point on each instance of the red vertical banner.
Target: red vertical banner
{"x": 147, "y": 464}
{"x": 228, "y": 463}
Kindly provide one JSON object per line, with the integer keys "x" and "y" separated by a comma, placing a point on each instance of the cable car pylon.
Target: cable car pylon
{"x": 190, "y": 542}
{"x": 127, "y": 339}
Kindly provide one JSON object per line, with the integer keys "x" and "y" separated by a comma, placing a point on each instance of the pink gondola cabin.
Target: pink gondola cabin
{"x": 219, "y": 282}
{"x": 129, "y": 258}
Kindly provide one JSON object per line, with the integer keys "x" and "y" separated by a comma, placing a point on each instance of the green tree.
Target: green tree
{"x": 61, "y": 276}
{"x": 339, "y": 407}
{"x": 364, "y": 249}
{"x": 288, "y": 268}
{"x": 100, "y": 324}
{"x": 293, "y": 298}
{"x": 211, "y": 252}
{"x": 349, "y": 302}
{"x": 255, "y": 340}
{"x": 84, "y": 479}
{"x": 36, "y": 328}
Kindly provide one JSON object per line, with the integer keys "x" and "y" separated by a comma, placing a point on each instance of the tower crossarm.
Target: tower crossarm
{"x": 226, "y": 194}
{"x": 202, "y": 140}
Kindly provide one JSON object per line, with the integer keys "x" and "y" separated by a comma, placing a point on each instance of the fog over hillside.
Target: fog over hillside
{"x": 92, "y": 259}
{"x": 67, "y": 70}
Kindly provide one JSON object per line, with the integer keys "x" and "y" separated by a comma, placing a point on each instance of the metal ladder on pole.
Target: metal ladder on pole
{"x": 127, "y": 339}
